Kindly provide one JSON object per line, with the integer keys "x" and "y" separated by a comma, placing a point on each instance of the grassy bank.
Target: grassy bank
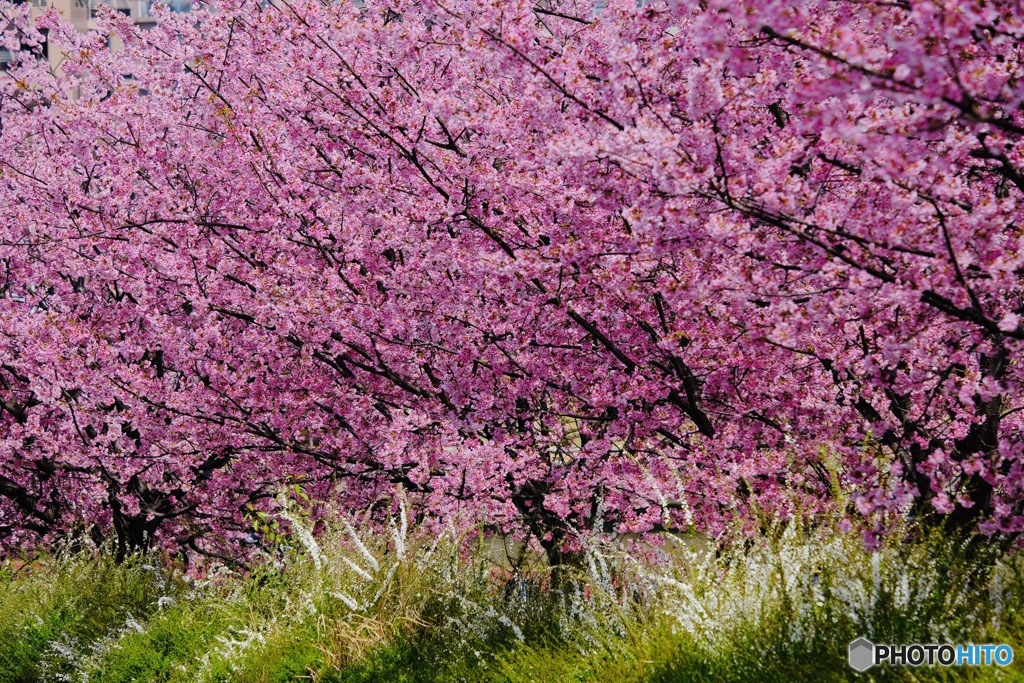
{"x": 403, "y": 608}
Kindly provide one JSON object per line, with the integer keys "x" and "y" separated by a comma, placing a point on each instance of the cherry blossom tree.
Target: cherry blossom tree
{"x": 668, "y": 266}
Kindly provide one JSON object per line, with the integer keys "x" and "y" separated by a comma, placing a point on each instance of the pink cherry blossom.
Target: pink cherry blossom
{"x": 673, "y": 264}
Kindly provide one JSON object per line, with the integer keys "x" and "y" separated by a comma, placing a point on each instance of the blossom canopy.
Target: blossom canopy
{"x": 660, "y": 267}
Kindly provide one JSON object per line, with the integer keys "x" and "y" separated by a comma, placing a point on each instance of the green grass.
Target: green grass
{"x": 341, "y": 609}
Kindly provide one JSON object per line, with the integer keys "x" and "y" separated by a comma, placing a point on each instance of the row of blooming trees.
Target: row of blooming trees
{"x": 674, "y": 265}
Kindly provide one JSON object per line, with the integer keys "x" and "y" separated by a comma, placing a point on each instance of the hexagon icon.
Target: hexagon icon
{"x": 862, "y": 654}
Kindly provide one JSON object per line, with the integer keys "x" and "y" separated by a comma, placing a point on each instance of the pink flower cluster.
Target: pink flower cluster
{"x": 671, "y": 265}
